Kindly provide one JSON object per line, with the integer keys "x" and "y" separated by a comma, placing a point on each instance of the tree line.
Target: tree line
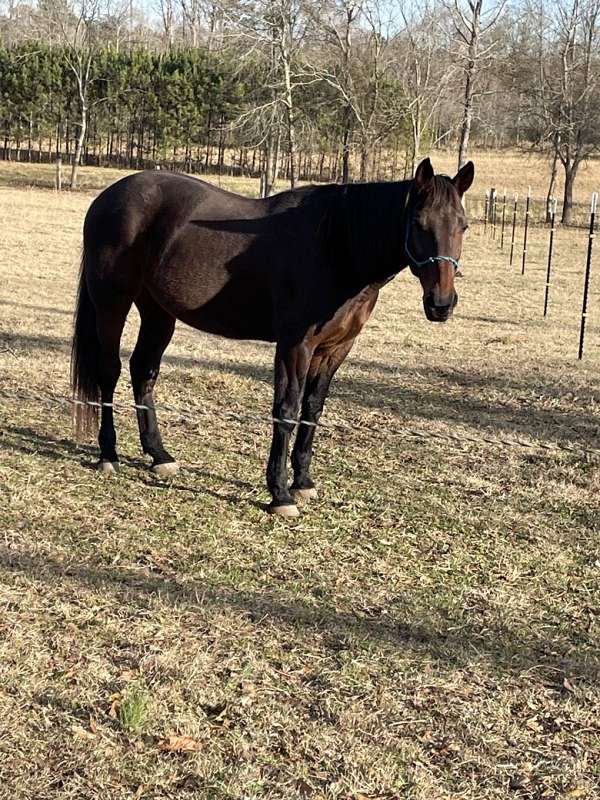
{"x": 290, "y": 89}
{"x": 141, "y": 105}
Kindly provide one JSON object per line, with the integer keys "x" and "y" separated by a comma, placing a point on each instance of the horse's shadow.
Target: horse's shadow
{"x": 400, "y": 628}
{"x": 367, "y": 384}
{"x": 457, "y": 643}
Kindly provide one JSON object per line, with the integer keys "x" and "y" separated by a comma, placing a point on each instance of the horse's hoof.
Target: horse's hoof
{"x": 166, "y": 471}
{"x": 305, "y": 494}
{"x": 107, "y": 467}
{"x": 284, "y": 511}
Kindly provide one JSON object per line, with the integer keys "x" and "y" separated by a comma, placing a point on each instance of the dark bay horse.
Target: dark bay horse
{"x": 302, "y": 269}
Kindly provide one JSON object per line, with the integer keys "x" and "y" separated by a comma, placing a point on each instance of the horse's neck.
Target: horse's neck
{"x": 375, "y": 225}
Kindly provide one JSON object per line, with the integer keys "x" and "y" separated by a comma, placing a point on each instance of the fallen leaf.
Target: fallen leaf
{"x": 115, "y": 705}
{"x": 80, "y": 731}
{"x": 180, "y": 744}
{"x": 569, "y": 687}
{"x": 578, "y": 791}
{"x": 534, "y": 725}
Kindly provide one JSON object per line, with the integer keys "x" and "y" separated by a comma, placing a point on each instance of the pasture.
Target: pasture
{"x": 426, "y": 630}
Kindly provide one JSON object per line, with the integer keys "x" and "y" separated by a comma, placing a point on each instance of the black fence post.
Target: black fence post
{"x": 514, "y": 225}
{"x": 588, "y": 268}
{"x": 503, "y": 220}
{"x": 485, "y": 213}
{"x": 525, "y": 232}
{"x": 550, "y": 248}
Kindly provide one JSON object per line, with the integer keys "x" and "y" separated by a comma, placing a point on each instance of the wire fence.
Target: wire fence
{"x": 481, "y": 209}
{"x": 504, "y": 216}
{"x": 405, "y": 432}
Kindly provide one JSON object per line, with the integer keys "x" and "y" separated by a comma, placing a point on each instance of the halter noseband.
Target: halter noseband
{"x": 431, "y": 259}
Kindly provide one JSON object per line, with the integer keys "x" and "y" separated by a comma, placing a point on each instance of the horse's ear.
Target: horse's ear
{"x": 423, "y": 175}
{"x": 464, "y": 178}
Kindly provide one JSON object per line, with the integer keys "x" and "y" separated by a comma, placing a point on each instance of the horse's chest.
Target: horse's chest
{"x": 347, "y": 322}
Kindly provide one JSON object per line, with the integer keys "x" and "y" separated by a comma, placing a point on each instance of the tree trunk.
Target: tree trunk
{"x": 364, "y": 161}
{"x": 416, "y": 142}
{"x": 567, "y": 211}
{"x": 79, "y": 146}
{"x": 208, "y": 143}
{"x": 465, "y": 131}
{"x": 29, "y": 142}
{"x": 552, "y": 183}
{"x": 289, "y": 103}
{"x": 291, "y": 142}
{"x": 271, "y": 158}
{"x": 346, "y": 131}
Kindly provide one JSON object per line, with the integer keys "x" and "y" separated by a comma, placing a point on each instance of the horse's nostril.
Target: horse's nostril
{"x": 441, "y": 302}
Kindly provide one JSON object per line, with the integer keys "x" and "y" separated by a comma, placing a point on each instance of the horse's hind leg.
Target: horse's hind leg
{"x": 155, "y": 334}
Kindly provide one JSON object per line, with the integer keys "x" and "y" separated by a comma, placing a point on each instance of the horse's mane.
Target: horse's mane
{"x": 361, "y": 224}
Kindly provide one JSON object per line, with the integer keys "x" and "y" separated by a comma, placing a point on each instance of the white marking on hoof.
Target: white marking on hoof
{"x": 305, "y": 494}
{"x": 108, "y": 467}
{"x": 164, "y": 471}
{"x": 284, "y": 511}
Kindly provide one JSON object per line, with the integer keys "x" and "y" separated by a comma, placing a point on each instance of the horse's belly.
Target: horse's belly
{"x": 237, "y": 305}
{"x": 227, "y": 314}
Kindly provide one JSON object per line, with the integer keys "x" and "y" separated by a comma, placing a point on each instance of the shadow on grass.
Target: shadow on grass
{"x": 30, "y": 442}
{"x": 457, "y": 642}
{"x": 447, "y": 400}
{"x": 30, "y": 307}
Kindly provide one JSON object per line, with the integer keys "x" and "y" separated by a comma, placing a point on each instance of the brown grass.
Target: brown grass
{"x": 516, "y": 170}
{"x": 511, "y": 169}
{"x": 427, "y": 630}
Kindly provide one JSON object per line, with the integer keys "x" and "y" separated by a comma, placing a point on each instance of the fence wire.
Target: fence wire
{"x": 405, "y": 432}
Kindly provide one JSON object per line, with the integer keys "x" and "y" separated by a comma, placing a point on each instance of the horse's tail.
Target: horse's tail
{"x": 85, "y": 359}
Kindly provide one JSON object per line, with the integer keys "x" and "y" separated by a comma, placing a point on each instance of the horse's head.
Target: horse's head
{"x": 435, "y": 223}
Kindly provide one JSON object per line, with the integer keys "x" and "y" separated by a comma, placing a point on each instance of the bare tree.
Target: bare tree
{"x": 562, "y": 102}
{"x": 75, "y": 24}
{"x": 272, "y": 32}
{"x": 167, "y": 11}
{"x": 360, "y": 32}
{"x": 338, "y": 21}
{"x": 424, "y": 71}
{"x": 576, "y": 107}
{"x": 472, "y": 25}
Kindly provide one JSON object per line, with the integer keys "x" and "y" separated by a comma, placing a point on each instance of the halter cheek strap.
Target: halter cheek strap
{"x": 431, "y": 259}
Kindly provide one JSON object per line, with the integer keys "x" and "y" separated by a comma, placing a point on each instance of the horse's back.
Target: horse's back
{"x": 139, "y": 201}
{"x": 235, "y": 266}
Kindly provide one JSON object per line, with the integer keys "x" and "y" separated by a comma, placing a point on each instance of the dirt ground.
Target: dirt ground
{"x": 426, "y": 630}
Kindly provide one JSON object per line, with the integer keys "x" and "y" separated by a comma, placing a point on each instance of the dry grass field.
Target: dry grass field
{"x": 510, "y": 169}
{"x": 427, "y": 630}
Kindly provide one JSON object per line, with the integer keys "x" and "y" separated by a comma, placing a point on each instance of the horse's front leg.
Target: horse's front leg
{"x": 291, "y": 367}
{"x": 321, "y": 371}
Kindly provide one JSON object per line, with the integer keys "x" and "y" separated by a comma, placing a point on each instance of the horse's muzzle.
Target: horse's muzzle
{"x": 439, "y": 312}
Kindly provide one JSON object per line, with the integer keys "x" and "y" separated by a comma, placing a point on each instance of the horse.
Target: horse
{"x": 302, "y": 269}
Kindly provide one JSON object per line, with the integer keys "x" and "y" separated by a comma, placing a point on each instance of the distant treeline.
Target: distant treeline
{"x": 178, "y": 107}
{"x": 141, "y": 105}
{"x": 337, "y": 90}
